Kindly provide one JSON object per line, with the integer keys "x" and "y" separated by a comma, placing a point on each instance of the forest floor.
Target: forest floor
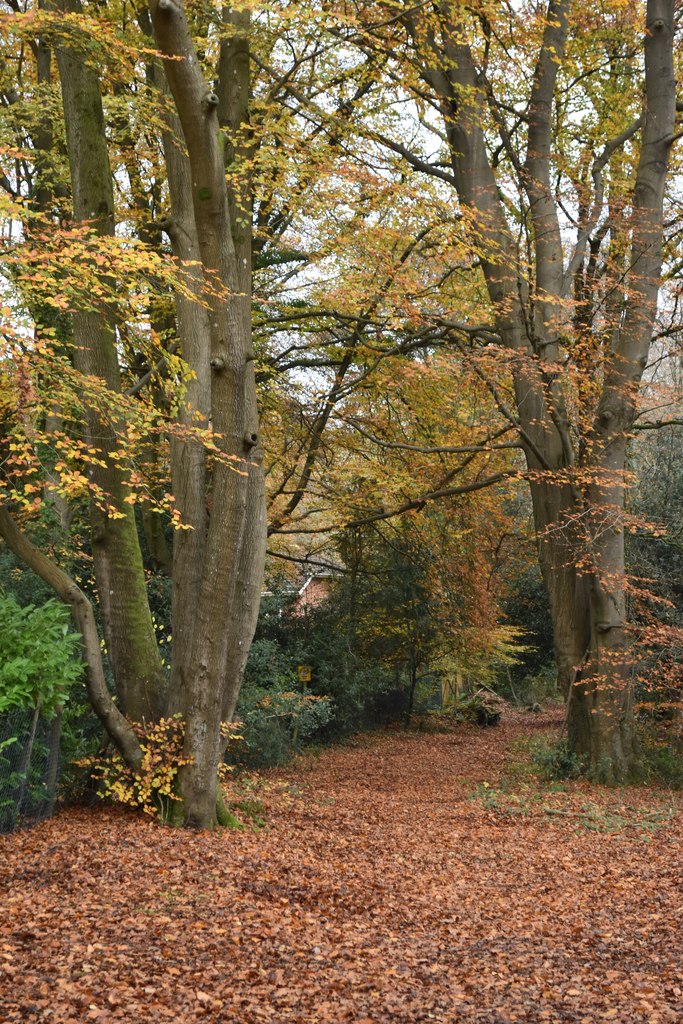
{"x": 399, "y": 878}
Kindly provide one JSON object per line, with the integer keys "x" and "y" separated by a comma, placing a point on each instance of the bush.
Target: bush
{"x": 354, "y": 687}
{"x": 39, "y": 663}
{"x": 276, "y": 722}
{"x": 661, "y": 760}
{"x": 556, "y": 761}
{"x": 39, "y": 655}
{"x": 269, "y": 665}
{"x": 153, "y": 787}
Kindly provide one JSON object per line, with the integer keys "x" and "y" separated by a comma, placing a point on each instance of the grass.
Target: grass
{"x": 540, "y": 780}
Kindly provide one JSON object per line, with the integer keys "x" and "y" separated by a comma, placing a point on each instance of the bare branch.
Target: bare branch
{"x": 157, "y": 368}
{"x": 658, "y": 424}
{"x": 586, "y": 230}
{"x": 485, "y": 446}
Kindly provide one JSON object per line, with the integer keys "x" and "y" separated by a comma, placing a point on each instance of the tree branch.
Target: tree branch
{"x": 120, "y": 730}
{"x": 415, "y": 504}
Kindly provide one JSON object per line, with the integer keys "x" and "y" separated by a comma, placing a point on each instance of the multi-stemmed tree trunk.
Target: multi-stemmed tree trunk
{"x": 224, "y": 569}
{"x": 218, "y": 561}
{"x": 576, "y": 465}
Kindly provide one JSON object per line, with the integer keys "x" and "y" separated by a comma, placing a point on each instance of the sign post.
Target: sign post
{"x": 304, "y": 673}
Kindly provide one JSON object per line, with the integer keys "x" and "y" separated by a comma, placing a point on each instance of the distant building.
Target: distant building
{"x": 314, "y": 592}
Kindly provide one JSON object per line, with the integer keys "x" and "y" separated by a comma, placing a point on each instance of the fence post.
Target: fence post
{"x": 26, "y": 759}
{"x": 53, "y": 760}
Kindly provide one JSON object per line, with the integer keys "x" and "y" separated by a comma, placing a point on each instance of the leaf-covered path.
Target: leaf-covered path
{"x": 406, "y": 878}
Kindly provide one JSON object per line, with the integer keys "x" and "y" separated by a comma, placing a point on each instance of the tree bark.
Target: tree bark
{"x": 52, "y": 775}
{"x": 600, "y": 720}
{"x": 25, "y": 763}
{"x": 229, "y": 583}
{"x": 190, "y": 473}
{"x": 129, "y": 632}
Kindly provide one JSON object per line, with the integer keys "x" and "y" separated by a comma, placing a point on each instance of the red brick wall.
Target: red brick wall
{"x": 316, "y": 591}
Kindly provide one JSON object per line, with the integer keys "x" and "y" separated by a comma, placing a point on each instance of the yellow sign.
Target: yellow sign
{"x": 304, "y": 673}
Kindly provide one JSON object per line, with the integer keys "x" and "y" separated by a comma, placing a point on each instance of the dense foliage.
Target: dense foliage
{"x": 39, "y": 655}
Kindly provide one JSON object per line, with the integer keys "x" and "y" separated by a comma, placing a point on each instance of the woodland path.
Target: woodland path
{"x": 404, "y": 878}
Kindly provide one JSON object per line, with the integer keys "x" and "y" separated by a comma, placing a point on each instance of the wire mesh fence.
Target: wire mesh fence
{"x": 29, "y": 766}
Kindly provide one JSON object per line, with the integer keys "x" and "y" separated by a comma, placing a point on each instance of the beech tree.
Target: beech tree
{"x": 553, "y": 130}
{"x": 121, "y": 587}
{"x": 216, "y": 452}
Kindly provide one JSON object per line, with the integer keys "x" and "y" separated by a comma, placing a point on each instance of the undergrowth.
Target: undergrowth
{"x": 540, "y": 784}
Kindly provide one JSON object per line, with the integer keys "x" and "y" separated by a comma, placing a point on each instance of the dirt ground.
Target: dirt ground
{"x": 400, "y": 878}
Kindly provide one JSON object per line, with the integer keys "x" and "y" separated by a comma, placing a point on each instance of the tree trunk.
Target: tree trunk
{"x": 52, "y": 777}
{"x": 601, "y": 721}
{"x": 128, "y": 629}
{"x": 234, "y": 80}
{"x": 190, "y": 475}
{"x": 25, "y": 763}
{"x": 228, "y": 577}
{"x": 412, "y": 674}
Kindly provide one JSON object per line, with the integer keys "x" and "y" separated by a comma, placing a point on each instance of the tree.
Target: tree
{"x": 229, "y": 572}
{"x": 216, "y": 449}
{"x": 572, "y": 319}
{"x": 126, "y": 618}
{"x": 423, "y": 597}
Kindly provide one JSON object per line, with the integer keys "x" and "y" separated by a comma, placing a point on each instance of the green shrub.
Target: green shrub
{"x": 276, "y": 722}
{"x": 360, "y": 690}
{"x": 269, "y": 665}
{"x": 662, "y": 762}
{"x": 556, "y": 761}
{"x": 39, "y": 655}
{"x": 39, "y": 663}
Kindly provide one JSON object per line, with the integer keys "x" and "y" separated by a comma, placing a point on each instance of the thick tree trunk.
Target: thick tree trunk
{"x": 234, "y": 79}
{"x": 567, "y": 587}
{"x": 601, "y": 722}
{"x": 230, "y": 572}
{"x": 49, "y": 194}
{"x": 158, "y": 548}
{"x": 126, "y": 619}
{"x": 190, "y": 476}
